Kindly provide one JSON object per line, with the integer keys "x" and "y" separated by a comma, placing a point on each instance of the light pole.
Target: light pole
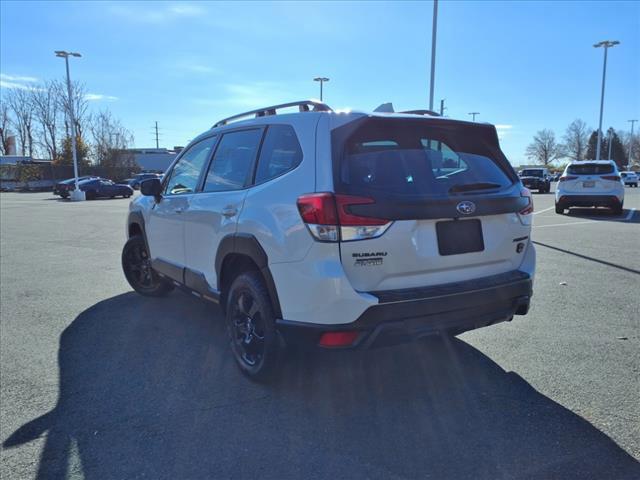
{"x": 629, "y": 159}
{"x": 321, "y": 80}
{"x": 434, "y": 29}
{"x": 474, "y": 115}
{"x": 77, "y": 194}
{"x": 606, "y": 44}
{"x": 609, "y": 136}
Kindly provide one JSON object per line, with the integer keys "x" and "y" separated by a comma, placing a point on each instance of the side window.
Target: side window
{"x": 280, "y": 152}
{"x": 185, "y": 174}
{"x": 232, "y": 163}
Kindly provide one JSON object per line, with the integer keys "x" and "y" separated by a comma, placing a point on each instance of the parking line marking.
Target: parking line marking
{"x": 545, "y": 210}
{"x": 565, "y": 224}
{"x": 629, "y": 215}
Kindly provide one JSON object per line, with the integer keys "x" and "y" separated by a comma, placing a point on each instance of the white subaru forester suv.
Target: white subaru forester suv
{"x": 337, "y": 230}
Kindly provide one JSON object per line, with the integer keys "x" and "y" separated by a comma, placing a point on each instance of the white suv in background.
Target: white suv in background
{"x": 629, "y": 178}
{"x": 591, "y": 183}
{"x": 337, "y": 230}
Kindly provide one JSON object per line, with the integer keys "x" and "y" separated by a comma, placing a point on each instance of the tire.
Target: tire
{"x": 559, "y": 209}
{"x": 90, "y": 195}
{"x": 251, "y": 327}
{"x": 64, "y": 195}
{"x": 617, "y": 210}
{"x": 137, "y": 269}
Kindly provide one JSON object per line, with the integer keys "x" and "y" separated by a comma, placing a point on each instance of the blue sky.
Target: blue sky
{"x": 523, "y": 65}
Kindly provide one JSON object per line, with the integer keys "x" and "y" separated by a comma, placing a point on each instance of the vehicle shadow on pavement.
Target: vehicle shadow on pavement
{"x": 604, "y": 214}
{"x": 148, "y": 388}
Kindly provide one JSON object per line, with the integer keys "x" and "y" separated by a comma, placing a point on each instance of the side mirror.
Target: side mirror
{"x": 151, "y": 187}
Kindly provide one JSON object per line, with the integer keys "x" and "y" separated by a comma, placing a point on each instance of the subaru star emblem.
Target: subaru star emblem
{"x": 466, "y": 208}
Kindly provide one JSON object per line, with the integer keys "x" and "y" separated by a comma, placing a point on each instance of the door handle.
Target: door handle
{"x": 229, "y": 211}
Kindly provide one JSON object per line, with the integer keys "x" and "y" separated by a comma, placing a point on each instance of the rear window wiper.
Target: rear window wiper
{"x": 467, "y": 187}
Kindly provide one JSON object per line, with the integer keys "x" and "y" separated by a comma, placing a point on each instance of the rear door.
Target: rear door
{"x": 213, "y": 212}
{"x": 450, "y": 199}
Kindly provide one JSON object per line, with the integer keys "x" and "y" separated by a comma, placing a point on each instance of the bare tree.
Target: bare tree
{"x": 544, "y": 149}
{"x": 19, "y": 101}
{"x": 80, "y": 106}
{"x": 576, "y": 139}
{"x": 110, "y": 140}
{"x": 46, "y": 108}
{"x": 5, "y": 122}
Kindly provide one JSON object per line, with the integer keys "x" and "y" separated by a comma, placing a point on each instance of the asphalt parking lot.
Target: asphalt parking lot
{"x": 98, "y": 382}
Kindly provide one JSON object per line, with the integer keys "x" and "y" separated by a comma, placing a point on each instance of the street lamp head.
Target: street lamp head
{"x": 607, "y": 44}
{"x": 63, "y": 54}
{"x": 321, "y": 79}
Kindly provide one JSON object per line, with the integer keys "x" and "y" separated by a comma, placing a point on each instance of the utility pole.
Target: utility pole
{"x": 442, "y": 107}
{"x": 474, "y": 115}
{"x": 157, "y": 141}
{"x": 629, "y": 157}
{"x": 321, "y": 80}
{"x": 434, "y": 29}
{"x": 607, "y": 44}
{"x": 77, "y": 194}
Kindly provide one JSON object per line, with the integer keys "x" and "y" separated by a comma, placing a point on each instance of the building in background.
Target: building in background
{"x": 154, "y": 159}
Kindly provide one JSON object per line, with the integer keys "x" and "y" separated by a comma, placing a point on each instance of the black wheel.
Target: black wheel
{"x": 64, "y": 195}
{"x": 90, "y": 195}
{"x": 617, "y": 210}
{"x": 559, "y": 209}
{"x": 136, "y": 265}
{"x": 251, "y": 327}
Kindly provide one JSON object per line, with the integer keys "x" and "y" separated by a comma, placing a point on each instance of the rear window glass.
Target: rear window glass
{"x": 280, "y": 153}
{"x": 531, "y": 173}
{"x": 414, "y": 158}
{"x": 590, "y": 169}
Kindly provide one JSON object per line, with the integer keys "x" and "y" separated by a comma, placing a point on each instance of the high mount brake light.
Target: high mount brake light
{"x": 329, "y": 217}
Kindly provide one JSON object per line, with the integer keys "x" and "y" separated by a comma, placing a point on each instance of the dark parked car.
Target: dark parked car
{"x": 65, "y": 187}
{"x": 536, "y": 179}
{"x": 102, "y": 187}
{"x": 141, "y": 177}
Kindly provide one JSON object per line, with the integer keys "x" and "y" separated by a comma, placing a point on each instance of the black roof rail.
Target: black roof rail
{"x": 422, "y": 112}
{"x": 303, "y": 106}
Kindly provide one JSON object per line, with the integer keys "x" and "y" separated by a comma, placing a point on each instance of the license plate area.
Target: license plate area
{"x": 589, "y": 184}
{"x": 459, "y": 236}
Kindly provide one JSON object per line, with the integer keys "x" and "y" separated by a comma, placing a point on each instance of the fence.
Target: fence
{"x": 43, "y": 176}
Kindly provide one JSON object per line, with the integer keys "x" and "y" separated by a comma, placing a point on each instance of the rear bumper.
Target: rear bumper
{"x": 404, "y": 315}
{"x": 607, "y": 200}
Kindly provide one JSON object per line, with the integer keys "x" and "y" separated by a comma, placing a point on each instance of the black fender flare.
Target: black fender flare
{"x": 137, "y": 218}
{"x": 248, "y": 245}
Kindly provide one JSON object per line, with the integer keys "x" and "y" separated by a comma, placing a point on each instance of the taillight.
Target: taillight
{"x": 568, "y": 177}
{"x": 528, "y": 209}
{"x": 525, "y": 214}
{"x": 329, "y": 217}
{"x": 613, "y": 178}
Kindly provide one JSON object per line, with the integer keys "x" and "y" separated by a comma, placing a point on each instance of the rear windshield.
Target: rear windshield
{"x": 590, "y": 169}
{"x": 418, "y": 157}
{"x": 531, "y": 173}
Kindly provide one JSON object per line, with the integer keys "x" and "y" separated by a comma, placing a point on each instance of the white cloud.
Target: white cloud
{"x": 91, "y": 97}
{"x": 153, "y": 14}
{"x": 17, "y": 82}
{"x": 17, "y": 78}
